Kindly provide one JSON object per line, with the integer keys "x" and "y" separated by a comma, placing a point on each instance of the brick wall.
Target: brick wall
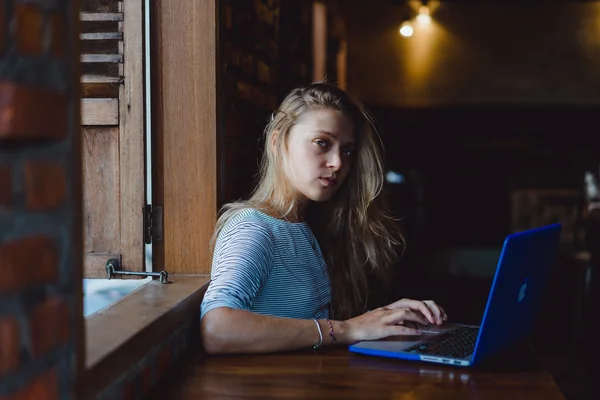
{"x": 40, "y": 210}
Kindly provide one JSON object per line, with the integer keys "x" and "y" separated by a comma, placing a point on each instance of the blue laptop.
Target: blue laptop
{"x": 513, "y": 304}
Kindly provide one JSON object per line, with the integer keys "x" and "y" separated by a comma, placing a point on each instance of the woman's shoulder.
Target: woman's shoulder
{"x": 249, "y": 218}
{"x": 246, "y": 228}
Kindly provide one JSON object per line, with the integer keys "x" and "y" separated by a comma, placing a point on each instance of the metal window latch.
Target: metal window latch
{"x": 112, "y": 269}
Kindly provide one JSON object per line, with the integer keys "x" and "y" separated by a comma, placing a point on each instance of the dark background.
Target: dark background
{"x": 492, "y": 98}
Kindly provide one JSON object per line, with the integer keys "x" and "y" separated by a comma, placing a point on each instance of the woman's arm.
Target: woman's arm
{"x": 228, "y": 330}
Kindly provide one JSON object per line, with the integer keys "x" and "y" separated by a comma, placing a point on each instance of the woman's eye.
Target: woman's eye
{"x": 348, "y": 152}
{"x": 321, "y": 143}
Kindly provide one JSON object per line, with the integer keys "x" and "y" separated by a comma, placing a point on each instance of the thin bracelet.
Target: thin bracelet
{"x": 331, "y": 334}
{"x": 316, "y": 346}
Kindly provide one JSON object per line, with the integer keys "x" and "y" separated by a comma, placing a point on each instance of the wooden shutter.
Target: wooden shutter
{"x": 112, "y": 121}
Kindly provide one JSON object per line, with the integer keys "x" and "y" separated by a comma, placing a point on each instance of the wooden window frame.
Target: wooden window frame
{"x": 184, "y": 64}
{"x": 119, "y": 119}
{"x": 185, "y": 183}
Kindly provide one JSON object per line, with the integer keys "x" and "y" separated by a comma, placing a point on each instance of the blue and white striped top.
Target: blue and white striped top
{"x": 268, "y": 266}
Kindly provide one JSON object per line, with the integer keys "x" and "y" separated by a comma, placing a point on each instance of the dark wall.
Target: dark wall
{"x": 476, "y": 52}
{"x": 264, "y": 51}
{"x": 470, "y": 159}
{"x": 491, "y": 97}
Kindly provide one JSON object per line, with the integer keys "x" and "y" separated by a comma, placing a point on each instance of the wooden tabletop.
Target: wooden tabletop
{"x": 339, "y": 374}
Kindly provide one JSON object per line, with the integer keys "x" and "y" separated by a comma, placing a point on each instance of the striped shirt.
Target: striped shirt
{"x": 268, "y": 266}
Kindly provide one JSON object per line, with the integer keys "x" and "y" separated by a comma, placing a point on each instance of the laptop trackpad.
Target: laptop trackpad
{"x": 437, "y": 329}
{"x": 401, "y": 342}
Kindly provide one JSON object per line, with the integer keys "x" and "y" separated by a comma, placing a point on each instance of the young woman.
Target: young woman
{"x": 291, "y": 264}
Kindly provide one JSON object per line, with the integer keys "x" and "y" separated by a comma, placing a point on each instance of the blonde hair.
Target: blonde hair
{"x": 358, "y": 237}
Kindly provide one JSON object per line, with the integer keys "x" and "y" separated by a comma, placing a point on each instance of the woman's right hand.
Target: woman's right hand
{"x": 381, "y": 323}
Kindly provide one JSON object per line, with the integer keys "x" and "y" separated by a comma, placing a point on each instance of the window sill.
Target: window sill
{"x": 118, "y": 336}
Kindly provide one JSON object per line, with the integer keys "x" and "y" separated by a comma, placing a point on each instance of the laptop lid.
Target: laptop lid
{"x": 517, "y": 289}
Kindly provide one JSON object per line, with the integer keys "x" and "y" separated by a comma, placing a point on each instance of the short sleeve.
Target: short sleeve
{"x": 241, "y": 264}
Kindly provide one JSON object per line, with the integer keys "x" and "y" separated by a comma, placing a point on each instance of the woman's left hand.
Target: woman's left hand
{"x": 429, "y": 308}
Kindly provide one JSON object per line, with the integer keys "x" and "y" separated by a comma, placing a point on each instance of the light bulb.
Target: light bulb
{"x": 406, "y": 29}
{"x": 423, "y": 18}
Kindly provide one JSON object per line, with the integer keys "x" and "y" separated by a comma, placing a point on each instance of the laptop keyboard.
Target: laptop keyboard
{"x": 457, "y": 343}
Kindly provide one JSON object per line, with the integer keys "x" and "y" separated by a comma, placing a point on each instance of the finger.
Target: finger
{"x": 444, "y": 315}
{"x": 435, "y": 309}
{"x": 404, "y": 314}
{"x": 427, "y": 311}
{"x": 392, "y": 306}
{"x": 393, "y": 330}
{"x": 421, "y": 306}
{"x": 398, "y": 304}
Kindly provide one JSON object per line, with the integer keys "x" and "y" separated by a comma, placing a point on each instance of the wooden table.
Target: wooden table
{"x": 339, "y": 374}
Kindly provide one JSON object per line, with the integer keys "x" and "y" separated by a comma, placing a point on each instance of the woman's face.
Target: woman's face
{"x": 320, "y": 150}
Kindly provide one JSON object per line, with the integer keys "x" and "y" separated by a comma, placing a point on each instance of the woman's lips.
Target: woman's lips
{"x": 329, "y": 182}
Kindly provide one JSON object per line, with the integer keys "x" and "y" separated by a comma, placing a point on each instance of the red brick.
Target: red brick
{"x": 28, "y": 261}
{"x": 29, "y": 112}
{"x": 129, "y": 390}
{"x": 49, "y": 325}
{"x": 163, "y": 362}
{"x": 29, "y": 28}
{"x": 44, "y": 387}
{"x": 2, "y": 28}
{"x": 5, "y": 187}
{"x": 10, "y": 344}
{"x": 45, "y": 185}
{"x": 146, "y": 380}
{"x": 59, "y": 34}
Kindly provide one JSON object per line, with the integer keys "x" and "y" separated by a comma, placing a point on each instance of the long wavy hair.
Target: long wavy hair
{"x": 358, "y": 236}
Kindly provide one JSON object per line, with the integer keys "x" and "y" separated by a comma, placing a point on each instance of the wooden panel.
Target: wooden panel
{"x": 101, "y": 16}
{"x": 94, "y": 264}
{"x": 100, "y": 79}
{"x": 100, "y": 90}
{"x": 113, "y": 100}
{"x": 185, "y": 115}
{"x": 101, "y": 58}
{"x": 100, "y": 39}
{"x": 101, "y": 190}
{"x": 101, "y": 36}
{"x": 99, "y": 112}
{"x": 99, "y": 6}
{"x": 111, "y": 70}
{"x": 131, "y": 140}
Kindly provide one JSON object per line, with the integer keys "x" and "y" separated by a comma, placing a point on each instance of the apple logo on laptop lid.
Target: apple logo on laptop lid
{"x": 523, "y": 290}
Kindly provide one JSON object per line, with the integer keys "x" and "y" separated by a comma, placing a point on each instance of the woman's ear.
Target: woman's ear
{"x": 274, "y": 138}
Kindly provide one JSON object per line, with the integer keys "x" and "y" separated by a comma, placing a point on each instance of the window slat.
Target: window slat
{"x": 102, "y": 36}
{"x": 101, "y": 58}
{"x": 99, "y": 112}
{"x": 101, "y": 16}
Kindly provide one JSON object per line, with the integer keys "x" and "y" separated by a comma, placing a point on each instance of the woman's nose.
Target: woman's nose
{"x": 335, "y": 161}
